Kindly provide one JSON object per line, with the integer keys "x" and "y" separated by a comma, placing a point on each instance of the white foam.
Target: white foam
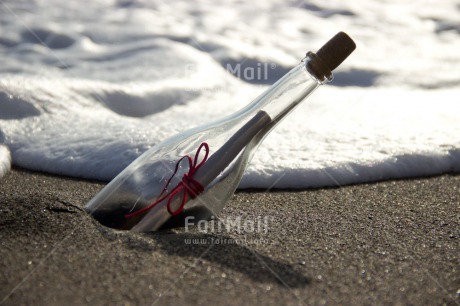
{"x": 116, "y": 77}
{"x": 5, "y": 161}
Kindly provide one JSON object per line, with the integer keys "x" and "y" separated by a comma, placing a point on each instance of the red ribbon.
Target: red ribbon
{"x": 187, "y": 185}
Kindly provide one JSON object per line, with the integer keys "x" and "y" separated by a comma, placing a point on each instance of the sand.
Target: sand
{"x": 394, "y": 242}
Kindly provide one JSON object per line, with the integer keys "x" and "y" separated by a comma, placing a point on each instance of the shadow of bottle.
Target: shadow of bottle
{"x": 226, "y": 252}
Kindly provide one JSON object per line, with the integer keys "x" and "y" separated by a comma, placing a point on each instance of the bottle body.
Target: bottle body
{"x": 156, "y": 190}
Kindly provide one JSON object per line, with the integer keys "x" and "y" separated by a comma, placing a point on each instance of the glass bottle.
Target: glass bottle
{"x": 193, "y": 174}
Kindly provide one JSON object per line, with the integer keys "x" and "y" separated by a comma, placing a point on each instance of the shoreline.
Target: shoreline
{"x": 392, "y": 242}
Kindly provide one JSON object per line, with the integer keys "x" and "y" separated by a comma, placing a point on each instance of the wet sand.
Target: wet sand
{"x": 394, "y": 242}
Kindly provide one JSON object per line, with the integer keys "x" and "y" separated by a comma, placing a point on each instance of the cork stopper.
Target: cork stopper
{"x": 336, "y": 50}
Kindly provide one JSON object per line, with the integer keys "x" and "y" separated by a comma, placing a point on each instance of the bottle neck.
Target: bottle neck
{"x": 283, "y": 96}
{"x": 317, "y": 69}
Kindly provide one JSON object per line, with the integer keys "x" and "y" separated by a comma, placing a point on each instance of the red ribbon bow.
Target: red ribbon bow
{"x": 187, "y": 185}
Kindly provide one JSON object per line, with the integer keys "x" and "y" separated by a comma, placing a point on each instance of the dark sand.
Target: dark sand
{"x": 393, "y": 242}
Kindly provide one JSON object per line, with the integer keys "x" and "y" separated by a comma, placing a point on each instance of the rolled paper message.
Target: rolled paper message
{"x": 160, "y": 211}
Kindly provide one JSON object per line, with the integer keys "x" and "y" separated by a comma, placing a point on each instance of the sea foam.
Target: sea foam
{"x": 5, "y": 160}
{"x": 85, "y": 89}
